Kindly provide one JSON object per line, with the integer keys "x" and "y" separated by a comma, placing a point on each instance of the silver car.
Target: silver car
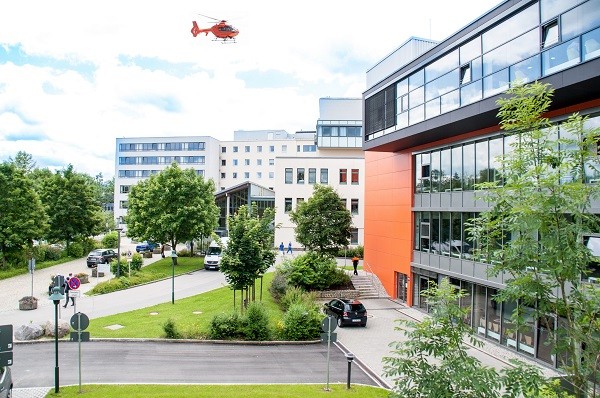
{"x": 6, "y": 384}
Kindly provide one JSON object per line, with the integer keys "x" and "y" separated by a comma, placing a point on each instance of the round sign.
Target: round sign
{"x": 74, "y": 283}
{"x": 328, "y": 324}
{"x": 80, "y": 321}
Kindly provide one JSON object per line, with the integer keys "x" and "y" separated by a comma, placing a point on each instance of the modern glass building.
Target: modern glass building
{"x": 431, "y": 133}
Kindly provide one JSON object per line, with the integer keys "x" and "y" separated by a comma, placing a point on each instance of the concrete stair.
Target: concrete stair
{"x": 369, "y": 286}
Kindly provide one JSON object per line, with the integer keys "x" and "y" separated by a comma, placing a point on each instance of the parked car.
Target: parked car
{"x": 6, "y": 383}
{"x": 347, "y": 312}
{"x": 145, "y": 247}
{"x": 100, "y": 256}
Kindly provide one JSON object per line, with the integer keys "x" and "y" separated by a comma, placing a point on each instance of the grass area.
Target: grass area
{"x": 160, "y": 269}
{"x": 6, "y": 273}
{"x": 191, "y": 315}
{"x": 222, "y": 391}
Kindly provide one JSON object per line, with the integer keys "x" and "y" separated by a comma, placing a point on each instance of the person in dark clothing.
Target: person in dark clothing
{"x": 67, "y": 290}
{"x": 355, "y": 264}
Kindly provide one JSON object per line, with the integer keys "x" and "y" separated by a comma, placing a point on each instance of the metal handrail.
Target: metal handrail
{"x": 367, "y": 268}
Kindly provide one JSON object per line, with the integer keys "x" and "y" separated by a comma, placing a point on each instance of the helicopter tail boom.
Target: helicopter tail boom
{"x": 196, "y": 29}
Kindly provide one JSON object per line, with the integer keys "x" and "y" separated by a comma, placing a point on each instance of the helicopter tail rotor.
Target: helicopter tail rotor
{"x": 195, "y": 28}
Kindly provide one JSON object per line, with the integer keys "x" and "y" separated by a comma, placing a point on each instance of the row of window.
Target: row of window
{"x": 146, "y": 173}
{"x": 236, "y": 162}
{"x": 259, "y": 148}
{"x": 460, "y": 167}
{"x": 324, "y": 176}
{"x": 288, "y": 203}
{"x": 518, "y": 49}
{"x": 161, "y": 160}
{"x": 163, "y": 146}
{"x": 259, "y": 175}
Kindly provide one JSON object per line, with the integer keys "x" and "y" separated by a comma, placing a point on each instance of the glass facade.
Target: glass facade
{"x": 541, "y": 39}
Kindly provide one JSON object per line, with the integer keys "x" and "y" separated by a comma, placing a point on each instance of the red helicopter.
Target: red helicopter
{"x": 221, "y": 30}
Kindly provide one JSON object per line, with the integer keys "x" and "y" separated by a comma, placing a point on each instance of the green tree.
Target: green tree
{"x": 433, "y": 361}
{"x": 72, "y": 206}
{"x": 172, "y": 206}
{"x": 533, "y": 231}
{"x": 23, "y": 161}
{"x": 249, "y": 250}
{"x": 322, "y": 222}
{"x": 22, "y": 216}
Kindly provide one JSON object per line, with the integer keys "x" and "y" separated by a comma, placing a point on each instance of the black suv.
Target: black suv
{"x": 347, "y": 312}
{"x": 100, "y": 256}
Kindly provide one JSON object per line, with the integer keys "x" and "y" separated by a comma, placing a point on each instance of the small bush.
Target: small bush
{"x": 312, "y": 271}
{"x": 171, "y": 330}
{"x": 110, "y": 240}
{"x": 301, "y": 322}
{"x": 225, "y": 327}
{"x": 39, "y": 252}
{"x": 136, "y": 262}
{"x": 351, "y": 252}
{"x": 75, "y": 249}
{"x": 53, "y": 253}
{"x": 255, "y": 323}
{"x": 123, "y": 269}
{"x": 278, "y": 285}
{"x": 89, "y": 244}
{"x": 183, "y": 253}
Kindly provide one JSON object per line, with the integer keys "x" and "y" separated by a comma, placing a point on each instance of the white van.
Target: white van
{"x": 212, "y": 260}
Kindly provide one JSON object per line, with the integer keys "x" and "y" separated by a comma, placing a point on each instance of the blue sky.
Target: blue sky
{"x": 75, "y": 75}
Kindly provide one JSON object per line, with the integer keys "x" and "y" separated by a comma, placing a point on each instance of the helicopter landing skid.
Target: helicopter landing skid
{"x": 225, "y": 41}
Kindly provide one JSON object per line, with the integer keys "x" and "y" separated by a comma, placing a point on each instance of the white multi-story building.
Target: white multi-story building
{"x": 281, "y": 167}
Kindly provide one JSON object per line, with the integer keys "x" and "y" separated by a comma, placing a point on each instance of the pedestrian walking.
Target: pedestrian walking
{"x": 281, "y": 248}
{"x": 355, "y": 264}
{"x": 289, "y": 250}
{"x": 67, "y": 290}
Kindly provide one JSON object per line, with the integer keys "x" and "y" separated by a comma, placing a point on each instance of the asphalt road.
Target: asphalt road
{"x": 176, "y": 362}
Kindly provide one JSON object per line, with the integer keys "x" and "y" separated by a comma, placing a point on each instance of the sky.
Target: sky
{"x": 75, "y": 74}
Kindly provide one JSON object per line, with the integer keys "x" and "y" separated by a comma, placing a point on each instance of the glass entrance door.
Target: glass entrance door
{"x": 401, "y": 287}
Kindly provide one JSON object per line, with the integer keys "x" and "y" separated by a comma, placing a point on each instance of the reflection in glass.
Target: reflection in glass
{"x": 470, "y": 50}
{"x": 435, "y": 171}
{"x": 526, "y": 71}
{"x": 511, "y": 28}
{"x": 526, "y": 334}
{"x": 402, "y": 120}
{"x": 418, "y": 175}
{"x": 470, "y": 93}
{"x": 550, "y": 34}
{"x": 495, "y": 148}
{"x": 441, "y": 66}
{"x": 417, "y": 79}
{"x": 465, "y": 302}
{"x": 432, "y": 108}
{"x": 551, "y": 8}
{"x": 446, "y": 243}
{"x": 514, "y": 51}
{"x": 496, "y": 83}
{"x": 481, "y": 162}
{"x": 560, "y": 57}
{"x": 468, "y": 166}
{"x": 446, "y": 170}
{"x": 416, "y": 115}
{"x": 493, "y": 315}
{"x": 580, "y": 19}
{"x": 435, "y": 232}
{"x": 456, "y": 171}
{"x": 545, "y": 343}
{"x": 450, "y": 101}
{"x": 479, "y": 305}
{"x": 402, "y": 87}
{"x": 591, "y": 44}
{"x": 442, "y": 85}
{"x": 425, "y": 232}
{"x": 416, "y": 97}
{"x": 509, "y": 332}
{"x": 592, "y": 168}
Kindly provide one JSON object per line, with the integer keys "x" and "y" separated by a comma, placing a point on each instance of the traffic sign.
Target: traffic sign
{"x": 6, "y": 337}
{"x": 85, "y": 336}
{"x": 328, "y": 324}
{"x": 74, "y": 283}
{"x": 31, "y": 265}
{"x": 328, "y": 337}
{"x": 80, "y": 321}
{"x": 6, "y": 358}
{"x": 75, "y": 294}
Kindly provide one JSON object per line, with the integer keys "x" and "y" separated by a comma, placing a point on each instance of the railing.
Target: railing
{"x": 376, "y": 285}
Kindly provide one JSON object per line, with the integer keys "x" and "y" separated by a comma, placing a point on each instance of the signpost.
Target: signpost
{"x": 80, "y": 322}
{"x": 6, "y": 345}
{"x": 328, "y": 325}
{"x": 31, "y": 267}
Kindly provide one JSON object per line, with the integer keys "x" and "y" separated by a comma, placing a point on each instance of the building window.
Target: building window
{"x": 288, "y": 205}
{"x": 324, "y": 176}
{"x": 223, "y": 149}
{"x": 235, "y": 162}
{"x": 354, "y": 206}
{"x": 297, "y": 148}
{"x": 344, "y": 202}
{"x": 271, "y": 162}
{"x": 246, "y": 162}
{"x": 289, "y": 176}
{"x": 312, "y": 176}
{"x": 343, "y": 176}
{"x": 309, "y": 148}
{"x": 259, "y": 162}
{"x": 195, "y": 146}
{"x": 234, "y": 175}
{"x": 223, "y": 175}
{"x": 465, "y": 74}
{"x": 550, "y": 33}
{"x": 354, "y": 236}
{"x": 124, "y": 204}
{"x": 259, "y": 148}
{"x": 247, "y": 148}
{"x": 246, "y": 175}
{"x": 125, "y": 188}
{"x": 284, "y": 148}
{"x": 223, "y": 162}
{"x": 235, "y": 149}
{"x": 300, "y": 176}
{"x": 354, "y": 176}
{"x": 271, "y": 175}
{"x": 298, "y": 201}
{"x": 271, "y": 148}
{"x": 258, "y": 174}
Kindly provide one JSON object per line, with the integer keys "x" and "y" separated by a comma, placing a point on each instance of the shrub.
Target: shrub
{"x": 171, "y": 330}
{"x": 183, "y": 253}
{"x": 225, "y": 326}
{"x": 255, "y": 324}
{"x": 39, "y": 252}
{"x": 301, "y": 322}
{"x": 89, "y": 244}
{"x": 53, "y": 253}
{"x": 75, "y": 249}
{"x": 110, "y": 240}
{"x": 311, "y": 271}
{"x": 351, "y": 252}
{"x": 114, "y": 264}
{"x": 136, "y": 262}
{"x": 278, "y": 285}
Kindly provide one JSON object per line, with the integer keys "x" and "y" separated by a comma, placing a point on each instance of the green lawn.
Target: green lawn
{"x": 191, "y": 315}
{"x": 221, "y": 391}
{"x": 160, "y": 269}
{"x": 9, "y": 272}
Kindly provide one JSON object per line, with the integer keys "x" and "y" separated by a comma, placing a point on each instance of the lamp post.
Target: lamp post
{"x": 56, "y": 297}
{"x": 118, "y": 251}
{"x": 350, "y": 358}
{"x": 174, "y": 259}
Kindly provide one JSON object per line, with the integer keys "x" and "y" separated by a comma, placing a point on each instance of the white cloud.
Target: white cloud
{"x": 317, "y": 49}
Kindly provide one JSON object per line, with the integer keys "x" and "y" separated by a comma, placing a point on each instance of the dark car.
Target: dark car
{"x": 6, "y": 384}
{"x": 100, "y": 256}
{"x": 145, "y": 247}
{"x": 347, "y": 312}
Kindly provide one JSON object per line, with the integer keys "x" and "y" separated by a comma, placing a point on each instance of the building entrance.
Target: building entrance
{"x": 401, "y": 287}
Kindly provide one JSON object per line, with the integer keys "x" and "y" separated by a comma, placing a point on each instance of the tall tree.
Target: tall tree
{"x": 322, "y": 222}
{"x": 172, "y": 206}
{"x": 249, "y": 251}
{"x": 22, "y": 216}
{"x": 24, "y": 161}
{"x": 71, "y": 203}
{"x": 433, "y": 361}
{"x": 534, "y": 230}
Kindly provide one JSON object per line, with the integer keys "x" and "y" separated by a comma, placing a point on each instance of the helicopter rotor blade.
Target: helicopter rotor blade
{"x": 206, "y": 16}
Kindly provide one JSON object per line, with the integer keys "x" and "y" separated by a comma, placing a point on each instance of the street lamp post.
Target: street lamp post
{"x": 350, "y": 358}
{"x": 174, "y": 259}
{"x": 56, "y": 297}
{"x": 118, "y": 251}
